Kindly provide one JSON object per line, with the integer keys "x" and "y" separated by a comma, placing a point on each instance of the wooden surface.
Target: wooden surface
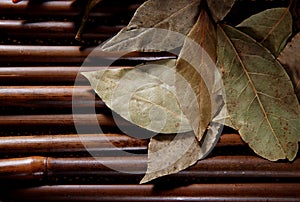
{"x": 43, "y": 158}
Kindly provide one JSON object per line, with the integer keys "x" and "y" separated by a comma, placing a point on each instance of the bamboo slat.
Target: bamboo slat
{"x": 63, "y": 8}
{"x": 68, "y": 54}
{"x": 71, "y": 143}
{"x": 46, "y": 74}
{"x": 57, "y": 30}
{"x": 221, "y": 167}
{"x": 97, "y": 142}
{"x": 49, "y": 96}
{"x": 57, "y": 119}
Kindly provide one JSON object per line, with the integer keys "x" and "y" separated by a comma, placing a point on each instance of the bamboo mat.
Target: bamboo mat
{"x": 44, "y": 159}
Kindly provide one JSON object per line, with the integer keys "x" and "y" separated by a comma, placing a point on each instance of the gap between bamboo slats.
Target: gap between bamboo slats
{"x": 70, "y": 54}
{"x": 195, "y": 192}
{"x": 240, "y": 167}
{"x": 57, "y": 30}
{"x": 96, "y": 142}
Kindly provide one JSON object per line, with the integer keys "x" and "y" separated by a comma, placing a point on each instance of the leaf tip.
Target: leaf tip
{"x": 149, "y": 176}
{"x": 85, "y": 74}
{"x": 78, "y": 36}
{"x": 145, "y": 179}
{"x": 89, "y": 76}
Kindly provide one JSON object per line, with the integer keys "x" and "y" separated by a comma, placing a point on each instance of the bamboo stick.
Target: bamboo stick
{"x": 230, "y": 140}
{"x": 60, "y": 120}
{"x": 69, "y": 143}
{"x": 24, "y": 7}
{"x": 58, "y": 30}
{"x": 49, "y": 96}
{"x": 63, "y": 8}
{"x": 69, "y": 54}
{"x": 238, "y": 167}
{"x": 26, "y": 168}
{"x": 95, "y": 142}
{"x": 47, "y": 74}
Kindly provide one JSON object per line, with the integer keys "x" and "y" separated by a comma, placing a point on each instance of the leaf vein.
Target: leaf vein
{"x": 237, "y": 55}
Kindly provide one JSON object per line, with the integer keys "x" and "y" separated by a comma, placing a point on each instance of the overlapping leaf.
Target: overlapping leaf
{"x": 156, "y": 26}
{"x": 168, "y": 154}
{"x": 196, "y": 74}
{"x": 143, "y": 95}
{"x": 220, "y": 8}
{"x": 184, "y": 97}
{"x": 271, "y": 28}
{"x": 290, "y": 58}
{"x": 260, "y": 96}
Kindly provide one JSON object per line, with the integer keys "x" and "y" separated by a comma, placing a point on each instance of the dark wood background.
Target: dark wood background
{"x": 42, "y": 156}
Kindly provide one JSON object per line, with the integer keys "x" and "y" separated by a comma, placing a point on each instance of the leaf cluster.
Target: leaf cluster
{"x": 244, "y": 76}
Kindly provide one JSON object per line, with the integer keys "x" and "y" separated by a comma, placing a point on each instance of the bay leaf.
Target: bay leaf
{"x": 156, "y": 26}
{"x": 90, "y": 5}
{"x": 196, "y": 71}
{"x": 220, "y": 8}
{"x": 169, "y": 153}
{"x": 290, "y": 59}
{"x": 272, "y": 28}
{"x": 144, "y": 95}
{"x": 259, "y": 96}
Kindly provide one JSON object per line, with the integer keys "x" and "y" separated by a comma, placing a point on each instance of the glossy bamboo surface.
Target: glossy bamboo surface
{"x": 43, "y": 155}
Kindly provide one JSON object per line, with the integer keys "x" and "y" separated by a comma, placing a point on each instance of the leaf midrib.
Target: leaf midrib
{"x": 155, "y": 25}
{"x": 275, "y": 26}
{"x": 137, "y": 97}
{"x": 176, "y": 13}
{"x": 253, "y": 88}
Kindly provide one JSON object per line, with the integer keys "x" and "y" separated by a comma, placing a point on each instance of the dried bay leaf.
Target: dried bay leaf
{"x": 220, "y": 8}
{"x": 196, "y": 61}
{"x": 143, "y": 95}
{"x": 162, "y": 23}
{"x": 271, "y": 28}
{"x": 290, "y": 59}
{"x": 259, "y": 95}
{"x": 169, "y": 153}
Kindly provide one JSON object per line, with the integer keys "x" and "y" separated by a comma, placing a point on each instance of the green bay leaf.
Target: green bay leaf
{"x": 144, "y": 95}
{"x": 290, "y": 59}
{"x": 271, "y": 28}
{"x": 259, "y": 96}
{"x": 156, "y": 26}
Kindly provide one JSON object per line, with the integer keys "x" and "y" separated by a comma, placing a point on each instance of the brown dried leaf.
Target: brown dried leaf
{"x": 197, "y": 61}
{"x": 290, "y": 59}
{"x": 168, "y": 154}
{"x": 220, "y": 8}
{"x": 162, "y": 23}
